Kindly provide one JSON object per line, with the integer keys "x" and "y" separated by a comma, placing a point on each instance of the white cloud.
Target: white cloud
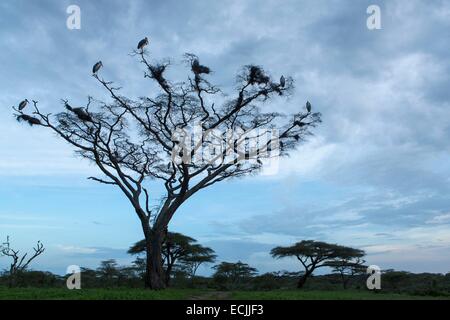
{"x": 75, "y": 249}
{"x": 443, "y": 218}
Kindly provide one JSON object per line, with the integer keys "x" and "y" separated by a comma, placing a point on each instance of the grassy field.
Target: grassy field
{"x": 194, "y": 294}
{"x": 96, "y": 294}
{"x": 323, "y": 295}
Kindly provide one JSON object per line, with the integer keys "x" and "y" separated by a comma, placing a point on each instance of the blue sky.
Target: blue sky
{"x": 375, "y": 175}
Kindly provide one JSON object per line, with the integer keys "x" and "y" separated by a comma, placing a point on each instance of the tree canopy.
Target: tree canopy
{"x": 232, "y": 274}
{"x": 197, "y": 256}
{"x": 133, "y": 140}
{"x": 315, "y": 254}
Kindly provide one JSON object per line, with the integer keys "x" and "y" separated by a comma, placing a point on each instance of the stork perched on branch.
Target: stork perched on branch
{"x": 142, "y": 44}
{"x": 282, "y": 81}
{"x": 23, "y": 104}
{"x": 31, "y": 120}
{"x": 81, "y": 113}
{"x": 97, "y": 67}
{"x": 197, "y": 68}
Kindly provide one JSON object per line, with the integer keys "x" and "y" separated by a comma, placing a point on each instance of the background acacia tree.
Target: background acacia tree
{"x": 132, "y": 140}
{"x": 349, "y": 265}
{"x": 231, "y": 275}
{"x": 197, "y": 256}
{"x": 315, "y": 254}
{"x": 178, "y": 247}
{"x": 109, "y": 272}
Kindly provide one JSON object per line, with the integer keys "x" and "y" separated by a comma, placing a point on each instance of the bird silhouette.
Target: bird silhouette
{"x": 23, "y": 104}
{"x": 142, "y": 44}
{"x": 97, "y": 67}
{"x": 308, "y": 106}
{"x": 299, "y": 123}
{"x": 81, "y": 113}
{"x": 197, "y": 68}
{"x": 31, "y": 121}
{"x": 282, "y": 82}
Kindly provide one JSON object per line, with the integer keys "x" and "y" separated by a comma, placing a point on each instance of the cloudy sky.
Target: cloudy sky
{"x": 374, "y": 176}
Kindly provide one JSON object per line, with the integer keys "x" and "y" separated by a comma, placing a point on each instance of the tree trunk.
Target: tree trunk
{"x": 168, "y": 272}
{"x": 12, "y": 280}
{"x": 154, "y": 273}
{"x": 345, "y": 284}
{"x": 302, "y": 280}
{"x": 194, "y": 271}
{"x": 344, "y": 281}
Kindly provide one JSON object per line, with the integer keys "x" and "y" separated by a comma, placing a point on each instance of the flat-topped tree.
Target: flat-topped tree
{"x": 316, "y": 254}
{"x": 348, "y": 268}
{"x": 233, "y": 274}
{"x": 134, "y": 140}
{"x": 178, "y": 248}
{"x": 349, "y": 264}
{"x": 197, "y": 256}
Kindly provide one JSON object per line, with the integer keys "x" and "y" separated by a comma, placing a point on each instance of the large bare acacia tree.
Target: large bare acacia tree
{"x": 134, "y": 140}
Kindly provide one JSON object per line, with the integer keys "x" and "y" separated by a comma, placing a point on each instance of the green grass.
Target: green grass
{"x": 323, "y": 295}
{"x": 183, "y": 294}
{"x": 96, "y": 294}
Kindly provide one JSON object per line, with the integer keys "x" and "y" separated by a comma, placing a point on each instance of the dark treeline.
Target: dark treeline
{"x": 182, "y": 256}
{"x": 238, "y": 276}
